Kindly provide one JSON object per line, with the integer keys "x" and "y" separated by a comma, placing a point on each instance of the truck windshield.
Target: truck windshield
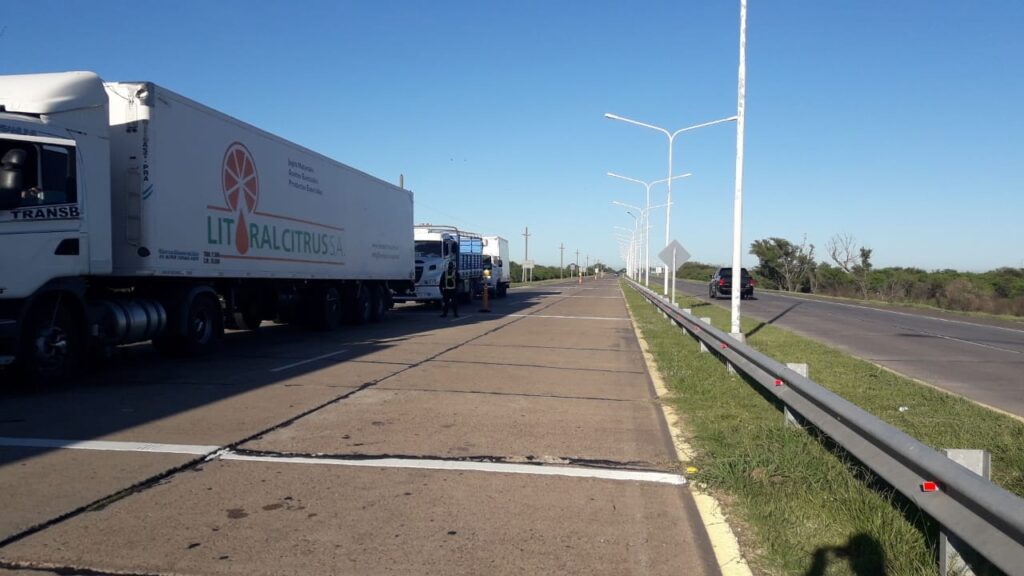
{"x": 35, "y": 174}
{"x": 426, "y": 248}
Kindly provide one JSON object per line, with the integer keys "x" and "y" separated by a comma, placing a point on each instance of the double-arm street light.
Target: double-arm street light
{"x": 646, "y": 218}
{"x": 671, "y": 139}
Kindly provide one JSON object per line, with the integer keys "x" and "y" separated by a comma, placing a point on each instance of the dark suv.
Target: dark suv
{"x": 721, "y": 284}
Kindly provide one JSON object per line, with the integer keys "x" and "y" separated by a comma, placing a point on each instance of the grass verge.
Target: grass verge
{"x": 803, "y": 505}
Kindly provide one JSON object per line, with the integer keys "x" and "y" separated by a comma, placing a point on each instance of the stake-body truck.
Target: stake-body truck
{"x": 131, "y": 213}
{"x": 436, "y": 247}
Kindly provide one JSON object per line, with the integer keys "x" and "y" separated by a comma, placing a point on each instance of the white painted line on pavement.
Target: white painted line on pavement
{"x": 897, "y": 312}
{"x": 567, "y": 317}
{"x": 461, "y": 465}
{"x": 107, "y": 445}
{"x": 587, "y": 297}
{"x": 301, "y": 362}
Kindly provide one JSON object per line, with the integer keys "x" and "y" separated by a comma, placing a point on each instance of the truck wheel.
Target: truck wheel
{"x": 326, "y": 309}
{"x": 204, "y": 326}
{"x": 362, "y": 305}
{"x": 502, "y": 290}
{"x": 248, "y": 316}
{"x": 248, "y": 320}
{"x": 378, "y": 303}
{"x": 53, "y": 344}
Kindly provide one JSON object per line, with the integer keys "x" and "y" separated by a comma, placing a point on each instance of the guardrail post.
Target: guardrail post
{"x": 803, "y": 370}
{"x": 738, "y": 336}
{"x": 950, "y": 561}
{"x": 683, "y": 326}
{"x": 707, "y": 321}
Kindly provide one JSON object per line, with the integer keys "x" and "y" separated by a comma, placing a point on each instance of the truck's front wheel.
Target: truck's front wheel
{"x": 52, "y": 345}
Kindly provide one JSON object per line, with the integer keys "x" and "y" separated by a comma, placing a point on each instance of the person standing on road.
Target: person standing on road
{"x": 449, "y": 295}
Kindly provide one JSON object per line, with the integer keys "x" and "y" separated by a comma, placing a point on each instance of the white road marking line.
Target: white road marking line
{"x": 216, "y": 452}
{"x": 567, "y": 317}
{"x": 979, "y": 344}
{"x": 912, "y": 315}
{"x": 460, "y": 465}
{"x": 587, "y": 297}
{"x": 108, "y": 445}
{"x": 301, "y": 362}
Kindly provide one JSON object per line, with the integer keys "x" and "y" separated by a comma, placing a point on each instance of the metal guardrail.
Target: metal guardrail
{"x": 986, "y": 517}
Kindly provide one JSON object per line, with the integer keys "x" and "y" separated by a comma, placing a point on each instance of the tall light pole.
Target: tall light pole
{"x": 671, "y": 139}
{"x": 636, "y": 226}
{"x": 646, "y": 217}
{"x": 526, "y": 252}
{"x": 737, "y": 211}
{"x": 561, "y": 259}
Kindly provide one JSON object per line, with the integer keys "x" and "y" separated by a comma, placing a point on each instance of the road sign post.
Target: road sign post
{"x": 673, "y": 255}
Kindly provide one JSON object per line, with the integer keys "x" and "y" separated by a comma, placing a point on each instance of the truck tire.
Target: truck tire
{"x": 247, "y": 316}
{"x": 325, "y": 309}
{"x": 378, "y": 303}
{"x": 248, "y": 320}
{"x": 502, "y": 290}
{"x": 195, "y": 329}
{"x": 52, "y": 343}
{"x": 204, "y": 325}
{"x": 362, "y": 305}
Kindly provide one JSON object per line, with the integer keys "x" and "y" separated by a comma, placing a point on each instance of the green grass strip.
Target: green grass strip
{"x": 803, "y": 505}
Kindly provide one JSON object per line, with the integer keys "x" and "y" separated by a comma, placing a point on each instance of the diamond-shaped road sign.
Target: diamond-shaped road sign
{"x": 681, "y": 255}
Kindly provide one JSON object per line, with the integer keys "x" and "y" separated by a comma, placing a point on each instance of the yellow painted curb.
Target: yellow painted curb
{"x": 723, "y": 540}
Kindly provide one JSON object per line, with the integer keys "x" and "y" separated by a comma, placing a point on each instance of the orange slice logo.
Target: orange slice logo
{"x": 241, "y": 189}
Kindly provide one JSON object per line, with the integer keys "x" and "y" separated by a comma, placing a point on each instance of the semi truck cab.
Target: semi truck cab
{"x": 54, "y": 202}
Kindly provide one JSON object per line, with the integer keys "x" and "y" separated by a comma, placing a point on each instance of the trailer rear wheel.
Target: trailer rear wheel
{"x": 362, "y": 304}
{"x": 204, "y": 325}
{"x": 378, "y": 303}
{"x": 52, "y": 345}
{"x": 195, "y": 328}
{"x": 326, "y": 309}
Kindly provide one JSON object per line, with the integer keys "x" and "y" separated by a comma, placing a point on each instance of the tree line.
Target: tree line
{"x": 847, "y": 271}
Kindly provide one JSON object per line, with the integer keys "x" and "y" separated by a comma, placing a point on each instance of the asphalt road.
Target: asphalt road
{"x": 524, "y": 441}
{"x": 981, "y": 361}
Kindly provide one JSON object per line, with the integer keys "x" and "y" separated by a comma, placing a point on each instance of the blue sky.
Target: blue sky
{"x": 896, "y": 122}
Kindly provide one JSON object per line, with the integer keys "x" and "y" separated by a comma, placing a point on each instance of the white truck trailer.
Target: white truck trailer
{"x": 131, "y": 213}
{"x": 435, "y": 247}
{"x": 496, "y": 260}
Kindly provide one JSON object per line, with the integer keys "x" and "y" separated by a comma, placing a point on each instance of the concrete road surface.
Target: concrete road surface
{"x": 979, "y": 359}
{"x": 524, "y": 441}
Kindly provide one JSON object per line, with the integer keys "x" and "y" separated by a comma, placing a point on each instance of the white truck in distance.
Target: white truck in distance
{"x": 435, "y": 247}
{"x": 496, "y": 258}
{"x": 131, "y": 213}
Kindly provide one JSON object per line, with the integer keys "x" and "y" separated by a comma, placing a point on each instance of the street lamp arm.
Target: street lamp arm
{"x": 712, "y": 123}
{"x": 687, "y": 175}
{"x": 644, "y": 124}
{"x": 624, "y": 205}
{"x": 621, "y": 177}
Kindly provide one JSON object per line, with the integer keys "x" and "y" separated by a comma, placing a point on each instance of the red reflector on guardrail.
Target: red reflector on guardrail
{"x": 723, "y": 346}
{"x": 929, "y": 486}
{"x": 779, "y": 382}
